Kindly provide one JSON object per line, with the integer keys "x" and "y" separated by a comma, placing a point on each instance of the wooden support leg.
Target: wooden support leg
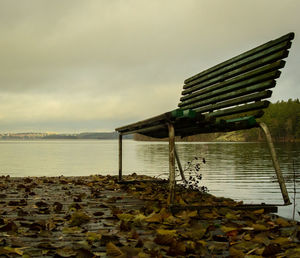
{"x": 171, "y": 164}
{"x": 179, "y": 164}
{"x": 120, "y": 157}
{"x": 280, "y": 178}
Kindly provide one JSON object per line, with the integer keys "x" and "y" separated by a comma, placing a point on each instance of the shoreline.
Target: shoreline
{"x": 95, "y": 216}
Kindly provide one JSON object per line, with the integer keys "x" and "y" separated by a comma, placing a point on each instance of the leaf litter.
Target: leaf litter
{"x": 95, "y": 216}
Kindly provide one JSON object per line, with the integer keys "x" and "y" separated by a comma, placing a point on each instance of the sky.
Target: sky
{"x": 94, "y": 65}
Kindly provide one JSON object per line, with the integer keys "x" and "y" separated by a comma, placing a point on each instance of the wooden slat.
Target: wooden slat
{"x": 147, "y": 128}
{"x": 247, "y": 68}
{"x": 150, "y": 121}
{"x": 237, "y": 101}
{"x": 240, "y": 109}
{"x": 228, "y": 92}
{"x": 246, "y": 54}
{"x": 261, "y": 71}
{"x": 243, "y": 62}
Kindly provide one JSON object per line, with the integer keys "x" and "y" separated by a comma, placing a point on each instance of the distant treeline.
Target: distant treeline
{"x": 282, "y": 118}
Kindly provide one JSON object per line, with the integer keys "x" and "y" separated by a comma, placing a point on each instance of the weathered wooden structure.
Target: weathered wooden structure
{"x": 227, "y": 97}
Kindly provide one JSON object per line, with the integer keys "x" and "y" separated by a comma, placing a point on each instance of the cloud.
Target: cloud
{"x": 66, "y": 64}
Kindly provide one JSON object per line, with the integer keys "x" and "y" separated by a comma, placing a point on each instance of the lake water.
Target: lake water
{"x": 242, "y": 171}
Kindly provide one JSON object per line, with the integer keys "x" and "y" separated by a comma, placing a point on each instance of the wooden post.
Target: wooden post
{"x": 179, "y": 164}
{"x": 171, "y": 164}
{"x": 120, "y": 157}
{"x": 280, "y": 178}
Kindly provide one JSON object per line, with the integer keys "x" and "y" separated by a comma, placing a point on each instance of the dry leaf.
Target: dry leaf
{"x": 113, "y": 250}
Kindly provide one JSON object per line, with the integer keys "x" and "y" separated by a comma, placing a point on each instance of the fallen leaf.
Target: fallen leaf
{"x": 271, "y": 249}
{"x": 78, "y": 218}
{"x": 12, "y": 250}
{"x": 154, "y": 218}
{"x": 177, "y": 248}
{"x": 226, "y": 229}
{"x": 71, "y": 230}
{"x": 281, "y": 240}
{"x": 282, "y": 222}
{"x": 260, "y": 227}
{"x": 113, "y": 250}
{"x": 66, "y": 252}
{"x": 260, "y": 211}
{"x": 9, "y": 227}
{"x": 126, "y": 217}
{"x": 92, "y": 236}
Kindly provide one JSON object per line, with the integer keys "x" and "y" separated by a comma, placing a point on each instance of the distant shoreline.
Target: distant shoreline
{"x": 57, "y": 136}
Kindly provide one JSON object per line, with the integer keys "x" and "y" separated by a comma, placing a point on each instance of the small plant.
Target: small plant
{"x": 192, "y": 174}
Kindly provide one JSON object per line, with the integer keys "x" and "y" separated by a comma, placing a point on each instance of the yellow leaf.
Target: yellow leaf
{"x": 190, "y": 245}
{"x": 260, "y": 211}
{"x": 209, "y": 215}
{"x": 112, "y": 250}
{"x": 231, "y": 216}
{"x": 260, "y": 227}
{"x": 262, "y": 239}
{"x": 282, "y": 222}
{"x": 281, "y": 240}
{"x": 166, "y": 232}
{"x": 9, "y": 249}
{"x": 164, "y": 213}
{"x": 78, "y": 218}
{"x": 143, "y": 255}
{"x": 247, "y": 237}
{"x": 92, "y": 236}
{"x": 195, "y": 234}
{"x": 202, "y": 242}
{"x": 66, "y": 252}
{"x": 72, "y": 230}
{"x": 171, "y": 220}
{"x": 139, "y": 218}
{"x": 193, "y": 213}
{"x": 181, "y": 201}
{"x": 236, "y": 253}
{"x": 126, "y": 217}
{"x": 154, "y": 218}
{"x": 226, "y": 229}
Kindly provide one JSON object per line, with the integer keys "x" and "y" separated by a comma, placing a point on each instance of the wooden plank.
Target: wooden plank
{"x": 147, "y": 128}
{"x": 246, "y": 54}
{"x": 247, "y": 68}
{"x": 198, "y": 90}
{"x": 240, "y": 109}
{"x": 249, "y": 98}
{"x": 150, "y": 121}
{"x": 243, "y": 62}
{"x": 228, "y": 92}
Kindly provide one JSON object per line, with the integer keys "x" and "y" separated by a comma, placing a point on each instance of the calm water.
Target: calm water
{"x": 242, "y": 171}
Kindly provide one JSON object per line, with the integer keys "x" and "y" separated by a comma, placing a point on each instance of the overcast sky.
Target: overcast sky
{"x": 75, "y": 66}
